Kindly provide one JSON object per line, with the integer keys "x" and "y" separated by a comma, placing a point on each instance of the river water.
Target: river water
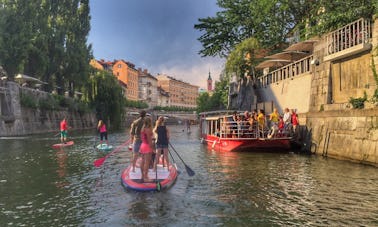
{"x": 40, "y": 186}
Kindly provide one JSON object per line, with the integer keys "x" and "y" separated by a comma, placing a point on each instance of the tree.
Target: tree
{"x": 108, "y": 98}
{"x": 16, "y": 34}
{"x": 269, "y": 21}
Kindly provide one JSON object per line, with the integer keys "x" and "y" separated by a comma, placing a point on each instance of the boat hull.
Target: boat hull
{"x": 132, "y": 180}
{"x": 244, "y": 144}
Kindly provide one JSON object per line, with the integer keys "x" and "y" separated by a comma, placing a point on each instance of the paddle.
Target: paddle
{"x": 95, "y": 140}
{"x": 158, "y": 186}
{"x": 187, "y": 168}
{"x": 101, "y": 161}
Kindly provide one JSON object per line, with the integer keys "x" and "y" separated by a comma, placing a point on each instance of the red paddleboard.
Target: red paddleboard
{"x": 58, "y": 145}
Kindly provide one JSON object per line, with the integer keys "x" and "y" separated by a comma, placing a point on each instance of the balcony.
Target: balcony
{"x": 292, "y": 70}
{"x": 351, "y": 39}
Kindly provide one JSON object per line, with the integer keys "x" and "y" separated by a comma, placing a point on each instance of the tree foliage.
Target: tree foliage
{"x": 218, "y": 100}
{"x": 272, "y": 21}
{"x": 108, "y": 98}
{"x": 242, "y": 59}
{"x": 46, "y": 40}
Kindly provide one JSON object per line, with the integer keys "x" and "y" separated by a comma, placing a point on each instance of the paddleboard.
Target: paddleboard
{"x": 132, "y": 180}
{"x": 58, "y": 145}
{"x": 104, "y": 147}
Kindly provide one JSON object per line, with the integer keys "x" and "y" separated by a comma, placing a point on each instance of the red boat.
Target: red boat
{"x": 221, "y": 133}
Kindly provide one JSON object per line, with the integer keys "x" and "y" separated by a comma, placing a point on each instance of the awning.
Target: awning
{"x": 307, "y": 45}
{"x": 24, "y": 78}
{"x": 273, "y": 63}
{"x": 291, "y": 55}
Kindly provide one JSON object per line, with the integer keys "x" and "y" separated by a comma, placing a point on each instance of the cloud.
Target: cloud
{"x": 155, "y": 35}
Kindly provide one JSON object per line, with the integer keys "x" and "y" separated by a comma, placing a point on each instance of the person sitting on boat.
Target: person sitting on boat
{"x": 225, "y": 127}
{"x": 281, "y": 125}
{"x": 273, "y": 131}
{"x": 101, "y": 127}
{"x": 135, "y": 139}
{"x": 162, "y": 141}
{"x": 234, "y": 124}
{"x": 146, "y": 148}
{"x": 253, "y": 119}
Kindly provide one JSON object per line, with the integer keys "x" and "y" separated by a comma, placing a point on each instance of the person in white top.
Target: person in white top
{"x": 287, "y": 119}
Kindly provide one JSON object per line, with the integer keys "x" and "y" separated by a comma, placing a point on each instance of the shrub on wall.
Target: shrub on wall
{"x": 48, "y": 103}
{"x": 358, "y": 103}
{"x": 28, "y": 101}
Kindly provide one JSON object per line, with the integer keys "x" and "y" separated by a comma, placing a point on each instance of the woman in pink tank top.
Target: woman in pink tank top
{"x": 146, "y": 148}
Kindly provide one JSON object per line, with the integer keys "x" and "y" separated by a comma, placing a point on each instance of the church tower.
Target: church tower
{"x": 209, "y": 83}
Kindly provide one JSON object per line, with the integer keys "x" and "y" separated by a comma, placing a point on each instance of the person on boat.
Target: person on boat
{"x": 234, "y": 124}
{"x": 162, "y": 136}
{"x": 135, "y": 139}
{"x": 287, "y": 119}
{"x": 253, "y": 119}
{"x": 63, "y": 130}
{"x": 281, "y": 125}
{"x": 294, "y": 120}
{"x": 261, "y": 121}
{"x": 225, "y": 128}
{"x": 274, "y": 117}
{"x": 146, "y": 148}
{"x": 101, "y": 127}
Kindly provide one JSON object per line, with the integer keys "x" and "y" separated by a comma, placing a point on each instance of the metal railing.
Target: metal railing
{"x": 350, "y": 35}
{"x": 289, "y": 71}
{"x": 250, "y": 130}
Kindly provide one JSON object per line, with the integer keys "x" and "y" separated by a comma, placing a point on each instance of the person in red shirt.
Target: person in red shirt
{"x": 294, "y": 120}
{"x": 63, "y": 130}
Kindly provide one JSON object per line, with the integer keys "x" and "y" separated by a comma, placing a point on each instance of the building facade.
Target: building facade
{"x": 181, "y": 94}
{"x": 126, "y": 72}
{"x": 163, "y": 97}
{"x": 148, "y": 88}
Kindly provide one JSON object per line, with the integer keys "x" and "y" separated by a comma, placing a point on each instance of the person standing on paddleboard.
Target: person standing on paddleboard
{"x": 135, "y": 138}
{"x": 101, "y": 127}
{"x": 63, "y": 130}
{"x": 162, "y": 133}
{"x": 146, "y": 148}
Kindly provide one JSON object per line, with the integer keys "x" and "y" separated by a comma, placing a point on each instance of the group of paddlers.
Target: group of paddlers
{"x": 150, "y": 143}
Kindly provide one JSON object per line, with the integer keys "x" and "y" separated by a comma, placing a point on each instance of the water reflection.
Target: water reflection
{"x": 61, "y": 158}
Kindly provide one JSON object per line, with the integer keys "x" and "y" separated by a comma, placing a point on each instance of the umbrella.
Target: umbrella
{"x": 291, "y": 55}
{"x": 273, "y": 63}
{"x": 307, "y": 45}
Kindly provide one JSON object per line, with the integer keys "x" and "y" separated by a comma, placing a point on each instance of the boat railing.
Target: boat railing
{"x": 250, "y": 130}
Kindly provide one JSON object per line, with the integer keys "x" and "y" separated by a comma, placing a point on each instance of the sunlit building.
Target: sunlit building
{"x": 126, "y": 72}
{"x": 181, "y": 94}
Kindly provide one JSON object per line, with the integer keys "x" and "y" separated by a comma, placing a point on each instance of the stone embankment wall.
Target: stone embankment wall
{"x": 16, "y": 120}
{"x": 332, "y": 127}
{"x": 344, "y": 134}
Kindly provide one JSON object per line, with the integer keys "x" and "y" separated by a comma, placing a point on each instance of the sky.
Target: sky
{"x": 157, "y": 35}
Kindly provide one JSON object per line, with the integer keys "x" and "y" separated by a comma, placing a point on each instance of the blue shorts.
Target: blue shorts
{"x": 161, "y": 146}
{"x": 136, "y": 146}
